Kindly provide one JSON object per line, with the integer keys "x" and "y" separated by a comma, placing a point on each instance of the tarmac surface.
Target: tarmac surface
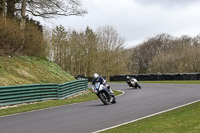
{"x": 91, "y": 116}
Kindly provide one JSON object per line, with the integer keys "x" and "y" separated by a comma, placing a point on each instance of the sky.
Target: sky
{"x": 137, "y": 20}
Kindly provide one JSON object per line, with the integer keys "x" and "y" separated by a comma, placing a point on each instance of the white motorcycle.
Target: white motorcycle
{"x": 103, "y": 93}
{"x": 132, "y": 82}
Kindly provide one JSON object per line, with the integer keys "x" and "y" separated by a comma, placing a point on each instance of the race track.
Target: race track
{"x": 93, "y": 115}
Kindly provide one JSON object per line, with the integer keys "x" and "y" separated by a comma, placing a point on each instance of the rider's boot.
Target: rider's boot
{"x": 111, "y": 92}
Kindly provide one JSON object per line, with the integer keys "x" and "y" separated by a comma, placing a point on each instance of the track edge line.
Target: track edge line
{"x": 146, "y": 116}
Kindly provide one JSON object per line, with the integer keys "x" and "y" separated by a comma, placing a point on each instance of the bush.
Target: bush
{"x": 16, "y": 42}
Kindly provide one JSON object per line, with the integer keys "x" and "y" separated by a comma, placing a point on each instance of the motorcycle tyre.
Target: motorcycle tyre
{"x": 114, "y": 100}
{"x": 101, "y": 97}
{"x": 139, "y": 86}
{"x": 135, "y": 86}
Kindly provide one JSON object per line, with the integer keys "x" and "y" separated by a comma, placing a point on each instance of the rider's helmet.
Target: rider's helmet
{"x": 127, "y": 77}
{"x": 96, "y": 76}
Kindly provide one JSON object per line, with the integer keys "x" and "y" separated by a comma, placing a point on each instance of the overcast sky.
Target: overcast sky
{"x": 137, "y": 20}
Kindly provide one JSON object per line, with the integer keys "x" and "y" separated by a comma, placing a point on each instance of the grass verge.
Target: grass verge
{"x": 51, "y": 103}
{"x": 182, "y": 120}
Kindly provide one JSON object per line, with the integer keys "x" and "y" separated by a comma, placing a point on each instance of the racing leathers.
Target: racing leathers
{"x": 101, "y": 80}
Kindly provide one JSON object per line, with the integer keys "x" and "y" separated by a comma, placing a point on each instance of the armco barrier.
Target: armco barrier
{"x": 10, "y": 95}
{"x": 71, "y": 88}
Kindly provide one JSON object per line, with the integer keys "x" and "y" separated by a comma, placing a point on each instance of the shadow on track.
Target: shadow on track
{"x": 96, "y": 105}
{"x": 99, "y": 105}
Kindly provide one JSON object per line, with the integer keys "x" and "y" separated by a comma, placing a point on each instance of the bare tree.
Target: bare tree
{"x": 109, "y": 46}
{"x": 48, "y": 8}
{"x": 144, "y": 53}
{"x": 166, "y": 54}
{"x": 196, "y": 41}
{"x": 23, "y": 14}
{"x": 52, "y": 8}
{"x": 40, "y": 8}
{"x": 58, "y": 44}
{"x": 164, "y": 63}
{"x": 87, "y": 52}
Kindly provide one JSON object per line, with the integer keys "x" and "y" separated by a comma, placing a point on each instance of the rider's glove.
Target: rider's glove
{"x": 93, "y": 89}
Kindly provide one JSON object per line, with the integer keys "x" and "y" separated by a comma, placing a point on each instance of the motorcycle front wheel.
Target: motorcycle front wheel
{"x": 105, "y": 98}
{"x": 113, "y": 100}
{"x": 138, "y": 86}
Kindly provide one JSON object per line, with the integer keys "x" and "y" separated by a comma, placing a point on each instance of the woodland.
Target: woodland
{"x": 90, "y": 51}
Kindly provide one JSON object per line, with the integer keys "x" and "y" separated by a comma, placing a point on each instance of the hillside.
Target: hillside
{"x": 30, "y": 70}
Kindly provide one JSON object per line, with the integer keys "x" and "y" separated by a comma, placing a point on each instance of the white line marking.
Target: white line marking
{"x": 145, "y": 117}
{"x": 120, "y": 94}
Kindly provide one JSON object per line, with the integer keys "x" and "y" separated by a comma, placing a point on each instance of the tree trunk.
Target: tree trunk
{"x": 1, "y": 8}
{"x": 11, "y": 8}
{"x": 23, "y": 15}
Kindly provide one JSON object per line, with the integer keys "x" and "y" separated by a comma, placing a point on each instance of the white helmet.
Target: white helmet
{"x": 96, "y": 75}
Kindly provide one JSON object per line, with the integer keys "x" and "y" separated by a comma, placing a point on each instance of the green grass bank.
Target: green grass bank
{"x": 182, "y": 120}
{"x": 30, "y": 70}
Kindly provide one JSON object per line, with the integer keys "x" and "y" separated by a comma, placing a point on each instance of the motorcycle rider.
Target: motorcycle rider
{"x": 101, "y": 80}
{"x": 128, "y": 80}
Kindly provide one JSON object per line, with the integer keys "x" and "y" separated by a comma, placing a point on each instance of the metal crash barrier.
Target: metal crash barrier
{"x": 10, "y": 95}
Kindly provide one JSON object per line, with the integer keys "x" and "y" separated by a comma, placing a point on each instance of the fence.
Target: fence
{"x": 10, "y": 95}
{"x": 157, "y": 77}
